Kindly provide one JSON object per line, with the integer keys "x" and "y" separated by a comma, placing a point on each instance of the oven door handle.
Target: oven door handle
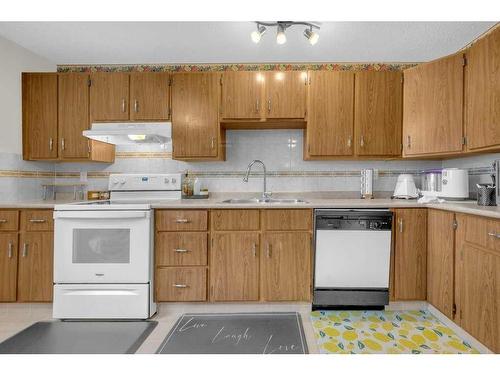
{"x": 101, "y": 214}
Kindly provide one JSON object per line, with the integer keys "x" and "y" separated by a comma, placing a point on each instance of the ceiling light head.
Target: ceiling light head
{"x": 256, "y": 35}
{"x": 311, "y": 35}
{"x": 280, "y": 35}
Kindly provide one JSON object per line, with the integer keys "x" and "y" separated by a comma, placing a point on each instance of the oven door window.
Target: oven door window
{"x": 101, "y": 245}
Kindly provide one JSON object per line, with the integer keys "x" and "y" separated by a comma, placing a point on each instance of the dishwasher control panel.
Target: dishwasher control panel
{"x": 353, "y": 220}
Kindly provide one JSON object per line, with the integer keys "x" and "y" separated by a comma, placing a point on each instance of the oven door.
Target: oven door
{"x": 102, "y": 246}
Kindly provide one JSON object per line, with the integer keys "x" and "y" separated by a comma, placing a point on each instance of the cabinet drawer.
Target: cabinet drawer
{"x": 181, "y": 249}
{"x": 222, "y": 220}
{"x": 181, "y": 220}
{"x": 287, "y": 219}
{"x": 181, "y": 284}
{"x": 483, "y": 232}
{"x": 9, "y": 220}
{"x": 37, "y": 220}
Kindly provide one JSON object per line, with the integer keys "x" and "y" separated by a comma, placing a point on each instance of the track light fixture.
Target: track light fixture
{"x": 311, "y": 35}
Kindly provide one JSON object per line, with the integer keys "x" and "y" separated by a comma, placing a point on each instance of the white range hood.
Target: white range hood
{"x": 122, "y": 133}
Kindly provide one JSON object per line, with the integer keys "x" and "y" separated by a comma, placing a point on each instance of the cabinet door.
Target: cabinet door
{"x": 195, "y": 115}
{"x": 39, "y": 115}
{"x": 410, "y": 254}
{"x": 74, "y": 100}
{"x": 478, "y": 283}
{"x": 8, "y": 267}
{"x": 150, "y": 96}
{"x": 433, "y": 106}
{"x": 440, "y": 260}
{"x": 109, "y": 97}
{"x": 242, "y": 95}
{"x": 331, "y": 116}
{"x": 483, "y": 92}
{"x": 234, "y": 266}
{"x": 285, "y": 94}
{"x": 378, "y": 113}
{"x": 286, "y": 266}
{"x": 35, "y": 278}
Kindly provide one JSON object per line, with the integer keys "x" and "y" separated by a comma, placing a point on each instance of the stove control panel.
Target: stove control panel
{"x": 145, "y": 182}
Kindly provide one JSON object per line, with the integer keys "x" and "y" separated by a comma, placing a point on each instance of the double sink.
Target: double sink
{"x": 264, "y": 200}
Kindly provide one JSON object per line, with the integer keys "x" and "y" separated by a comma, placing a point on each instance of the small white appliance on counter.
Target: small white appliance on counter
{"x": 103, "y": 250}
{"x": 405, "y": 187}
{"x": 450, "y": 183}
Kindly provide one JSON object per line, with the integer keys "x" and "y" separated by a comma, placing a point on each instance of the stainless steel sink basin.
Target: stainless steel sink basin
{"x": 264, "y": 200}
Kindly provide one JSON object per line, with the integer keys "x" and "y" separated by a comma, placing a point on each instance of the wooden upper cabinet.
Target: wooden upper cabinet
{"x": 39, "y": 97}
{"x": 73, "y": 110}
{"x": 433, "y": 106}
{"x": 242, "y": 95}
{"x": 410, "y": 254}
{"x": 440, "y": 260}
{"x": 285, "y": 95}
{"x": 149, "y": 96}
{"x": 378, "y": 113}
{"x": 482, "y": 93}
{"x": 195, "y": 115}
{"x": 8, "y": 267}
{"x": 234, "y": 266}
{"x": 330, "y": 114}
{"x": 109, "y": 97}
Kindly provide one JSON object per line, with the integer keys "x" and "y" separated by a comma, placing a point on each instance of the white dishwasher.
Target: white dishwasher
{"x": 352, "y": 258}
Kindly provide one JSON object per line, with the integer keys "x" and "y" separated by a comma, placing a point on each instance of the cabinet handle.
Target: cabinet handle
{"x": 400, "y": 222}
{"x": 51, "y": 144}
{"x": 123, "y": 105}
{"x": 182, "y": 221}
{"x": 25, "y": 250}
{"x": 37, "y": 221}
{"x": 349, "y": 142}
{"x": 212, "y": 142}
{"x": 181, "y": 250}
{"x": 362, "y": 141}
{"x": 3, "y": 221}
{"x": 63, "y": 144}
{"x": 269, "y": 105}
{"x": 179, "y": 285}
{"x": 136, "y": 106}
{"x": 257, "y": 106}
{"x": 269, "y": 250}
{"x": 10, "y": 250}
{"x": 408, "y": 141}
{"x": 254, "y": 249}
{"x": 495, "y": 235}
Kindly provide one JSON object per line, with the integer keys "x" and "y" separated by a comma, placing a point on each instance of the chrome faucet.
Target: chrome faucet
{"x": 265, "y": 193}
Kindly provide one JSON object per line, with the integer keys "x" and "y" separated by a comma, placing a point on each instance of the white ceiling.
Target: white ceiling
{"x": 229, "y": 42}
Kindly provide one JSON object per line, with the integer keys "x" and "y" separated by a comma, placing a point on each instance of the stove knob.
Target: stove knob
{"x": 122, "y": 181}
{"x": 174, "y": 180}
{"x": 167, "y": 180}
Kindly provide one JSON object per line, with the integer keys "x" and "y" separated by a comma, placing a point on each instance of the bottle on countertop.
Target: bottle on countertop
{"x": 187, "y": 185}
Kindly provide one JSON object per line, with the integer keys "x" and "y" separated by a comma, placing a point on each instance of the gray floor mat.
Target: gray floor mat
{"x": 79, "y": 337}
{"x": 238, "y": 333}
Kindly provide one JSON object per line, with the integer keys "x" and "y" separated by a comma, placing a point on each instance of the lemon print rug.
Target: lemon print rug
{"x": 385, "y": 332}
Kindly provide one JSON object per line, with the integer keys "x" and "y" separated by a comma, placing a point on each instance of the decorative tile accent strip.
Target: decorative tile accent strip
{"x": 143, "y": 155}
{"x": 233, "y": 67}
{"x": 26, "y": 174}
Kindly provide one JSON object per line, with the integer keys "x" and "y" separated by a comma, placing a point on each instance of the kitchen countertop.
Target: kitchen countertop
{"x": 314, "y": 200}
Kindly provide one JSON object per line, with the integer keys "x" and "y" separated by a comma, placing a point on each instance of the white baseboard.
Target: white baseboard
{"x": 407, "y": 305}
{"x": 459, "y": 331}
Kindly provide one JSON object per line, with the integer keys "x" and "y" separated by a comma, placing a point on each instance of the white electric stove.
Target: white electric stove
{"x": 103, "y": 250}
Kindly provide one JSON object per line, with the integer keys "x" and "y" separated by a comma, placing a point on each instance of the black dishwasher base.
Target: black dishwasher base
{"x": 350, "y": 299}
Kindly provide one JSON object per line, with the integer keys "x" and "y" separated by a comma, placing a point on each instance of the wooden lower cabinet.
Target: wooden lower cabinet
{"x": 181, "y": 284}
{"x": 36, "y": 259}
{"x": 234, "y": 266}
{"x": 8, "y": 267}
{"x": 286, "y": 266}
{"x": 440, "y": 260}
{"x": 410, "y": 254}
{"x": 477, "y": 287}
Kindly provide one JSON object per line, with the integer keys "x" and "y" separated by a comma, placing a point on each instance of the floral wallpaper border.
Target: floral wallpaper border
{"x": 233, "y": 67}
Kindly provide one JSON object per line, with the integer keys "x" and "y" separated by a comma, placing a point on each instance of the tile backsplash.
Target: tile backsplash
{"x": 280, "y": 150}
